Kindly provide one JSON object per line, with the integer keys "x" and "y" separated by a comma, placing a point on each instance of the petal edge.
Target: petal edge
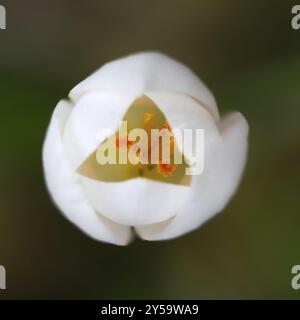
{"x": 67, "y": 194}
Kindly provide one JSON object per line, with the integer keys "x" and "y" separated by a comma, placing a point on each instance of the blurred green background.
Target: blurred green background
{"x": 247, "y": 53}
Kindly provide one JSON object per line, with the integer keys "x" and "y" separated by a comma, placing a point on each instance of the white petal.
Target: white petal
{"x": 62, "y": 183}
{"x": 93, "y": 112}
{"x": 212, "y": 190}
{"x": 147, "y": 71}
{"x": 184, "y": 112}
{"x": 136, "y": 201}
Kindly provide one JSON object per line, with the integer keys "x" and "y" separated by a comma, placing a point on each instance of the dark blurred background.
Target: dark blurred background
{"x": 247, "y": 53}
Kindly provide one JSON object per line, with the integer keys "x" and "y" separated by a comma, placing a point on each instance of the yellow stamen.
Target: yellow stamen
{"x": 148, "y": 116}
{"x": 149, "y": 122}
{"x": 172, "y": 141}
{"x": 166, "y": 170}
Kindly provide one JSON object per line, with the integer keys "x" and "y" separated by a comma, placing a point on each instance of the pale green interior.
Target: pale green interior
{"x": 120, "y": 172}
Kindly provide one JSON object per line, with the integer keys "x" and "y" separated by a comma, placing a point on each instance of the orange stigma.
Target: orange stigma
{"x": 123, "y": 141}
{"x": 166, "y": 169}
{"x": 167, "y": 126}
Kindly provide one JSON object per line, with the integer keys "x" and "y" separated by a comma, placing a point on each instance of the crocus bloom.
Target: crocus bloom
{"x": 159, "y": 202}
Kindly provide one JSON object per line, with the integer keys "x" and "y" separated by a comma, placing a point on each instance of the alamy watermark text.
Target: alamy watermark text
{"x": 2, "y": 17}
{"x": 2, "y": 278}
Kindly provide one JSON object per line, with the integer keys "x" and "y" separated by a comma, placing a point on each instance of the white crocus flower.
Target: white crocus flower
{"x": 108, "y": 207}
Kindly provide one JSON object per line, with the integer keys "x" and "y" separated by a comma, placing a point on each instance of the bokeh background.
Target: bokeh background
{"x": 247, "y": 53}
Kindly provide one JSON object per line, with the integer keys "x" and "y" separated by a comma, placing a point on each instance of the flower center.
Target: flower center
{"x": 144, "y": 151}
{"x": 150, "y": 155}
